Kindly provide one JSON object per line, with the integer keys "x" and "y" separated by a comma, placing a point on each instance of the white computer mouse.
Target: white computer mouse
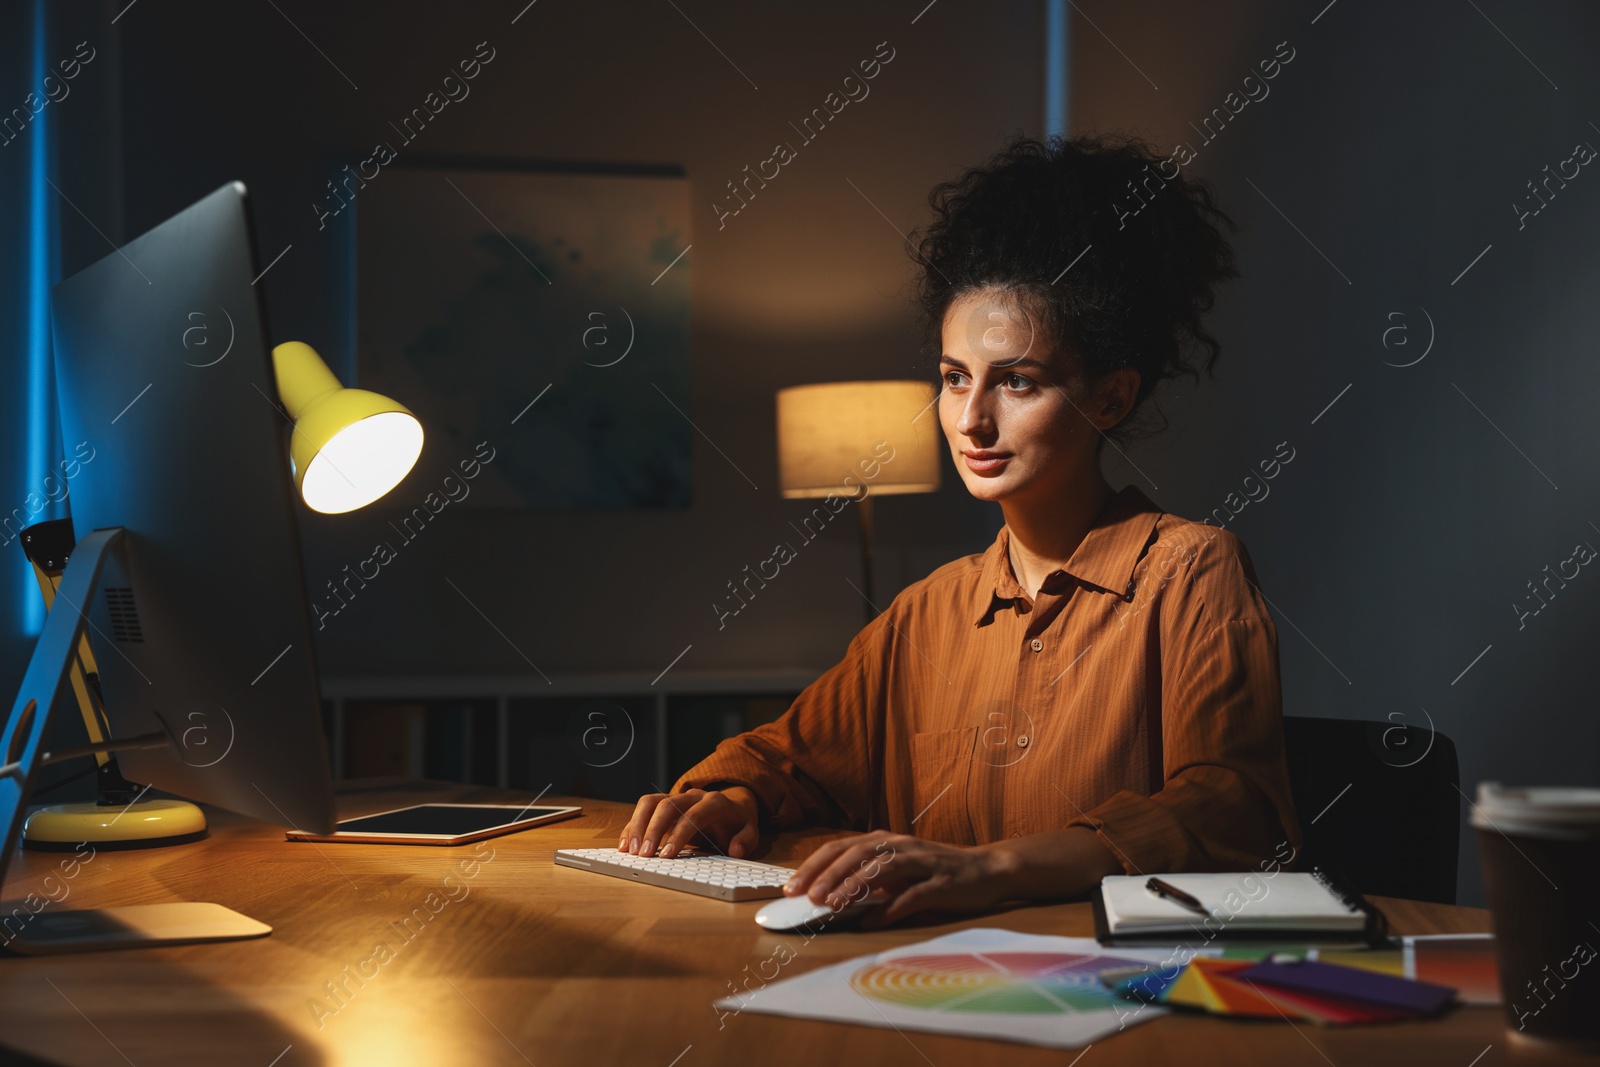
{"x": 792, "y": 913}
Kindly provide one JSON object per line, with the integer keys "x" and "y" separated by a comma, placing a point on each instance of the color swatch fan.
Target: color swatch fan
{"x": 1290, "y": 988}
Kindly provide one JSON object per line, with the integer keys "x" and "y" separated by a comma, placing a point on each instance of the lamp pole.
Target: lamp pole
{"x": 864, "y": 515}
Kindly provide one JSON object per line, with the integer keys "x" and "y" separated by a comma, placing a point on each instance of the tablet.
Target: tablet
{"x": 438, "y": 824}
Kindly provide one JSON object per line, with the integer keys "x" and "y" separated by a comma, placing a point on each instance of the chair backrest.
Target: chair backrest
{"x": 1378, "y": 803}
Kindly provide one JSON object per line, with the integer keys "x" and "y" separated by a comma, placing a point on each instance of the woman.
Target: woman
{"x": 1098, "y": 692}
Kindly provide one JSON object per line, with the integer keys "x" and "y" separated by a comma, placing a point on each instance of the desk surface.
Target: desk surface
{"x": 539, "y": 964}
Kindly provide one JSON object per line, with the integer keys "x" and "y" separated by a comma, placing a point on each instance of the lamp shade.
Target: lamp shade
{"x": 843, "y": 438}
{"x": 349, "y": 446}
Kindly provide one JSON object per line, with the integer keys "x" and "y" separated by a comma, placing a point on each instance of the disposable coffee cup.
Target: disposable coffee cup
{"x": 1540, "y": 849}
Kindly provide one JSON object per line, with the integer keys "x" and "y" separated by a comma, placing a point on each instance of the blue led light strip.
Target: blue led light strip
{"x": 1055, "y": 68}
{"x": 41, "y": 428}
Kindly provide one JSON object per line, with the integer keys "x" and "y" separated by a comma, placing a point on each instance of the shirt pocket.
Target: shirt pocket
{"x": 941, "y": 771}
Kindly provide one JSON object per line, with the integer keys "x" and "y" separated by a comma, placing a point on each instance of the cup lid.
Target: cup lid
{"x": 1559, "y": 810}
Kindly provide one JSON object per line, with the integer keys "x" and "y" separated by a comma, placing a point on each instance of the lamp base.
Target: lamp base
{"x": 143, "y": 824}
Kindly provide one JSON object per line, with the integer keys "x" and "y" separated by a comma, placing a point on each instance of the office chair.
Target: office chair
{"x": 1378, "y": 803}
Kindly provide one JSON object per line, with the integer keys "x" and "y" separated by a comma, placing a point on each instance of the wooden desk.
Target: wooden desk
{"x": 525, "y": 962}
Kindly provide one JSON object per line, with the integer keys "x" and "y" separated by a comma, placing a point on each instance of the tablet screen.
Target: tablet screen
{"x": 449, "y": 819}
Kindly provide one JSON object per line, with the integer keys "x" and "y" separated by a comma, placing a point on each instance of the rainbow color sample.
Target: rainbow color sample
{"x": 992, "y": 982}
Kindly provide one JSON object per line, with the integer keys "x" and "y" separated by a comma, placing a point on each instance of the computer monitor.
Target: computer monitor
{"x": 183, "y": 507}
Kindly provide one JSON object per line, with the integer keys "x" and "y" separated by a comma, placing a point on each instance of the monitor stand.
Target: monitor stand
{"x": 23, "y": 927}
{"x": 132, "y": 926}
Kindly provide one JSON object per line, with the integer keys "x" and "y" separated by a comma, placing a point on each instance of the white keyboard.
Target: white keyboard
{"x": 722, "y": 877}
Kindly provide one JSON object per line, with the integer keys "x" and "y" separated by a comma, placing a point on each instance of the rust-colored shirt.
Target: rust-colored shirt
{"x": 1138, "y": 694}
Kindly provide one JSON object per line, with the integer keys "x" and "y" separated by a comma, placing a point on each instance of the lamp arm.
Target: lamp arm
{"x": 46, "y": 677}
{"x": 48, "y": 549}
{"x": 81, "y": 673}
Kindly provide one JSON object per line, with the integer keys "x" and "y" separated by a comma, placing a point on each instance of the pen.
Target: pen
{"x": 1176, "y": 895}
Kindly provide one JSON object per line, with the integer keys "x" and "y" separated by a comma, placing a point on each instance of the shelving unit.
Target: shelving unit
{"x": 508, "y": 697}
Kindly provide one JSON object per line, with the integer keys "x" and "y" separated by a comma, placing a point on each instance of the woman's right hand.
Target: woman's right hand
{"x": 662, "y": 823}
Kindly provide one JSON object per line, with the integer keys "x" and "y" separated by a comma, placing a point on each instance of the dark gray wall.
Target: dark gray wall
{"x": 1419, "y": 506}
{"x": 807, "y": 284}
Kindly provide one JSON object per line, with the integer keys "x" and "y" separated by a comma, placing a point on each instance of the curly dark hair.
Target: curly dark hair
{"x": 1146, "y": 273}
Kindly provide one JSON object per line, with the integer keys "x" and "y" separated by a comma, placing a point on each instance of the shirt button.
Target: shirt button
{"x": 1022, "y": 741}
{"x": 1036, "y": 644}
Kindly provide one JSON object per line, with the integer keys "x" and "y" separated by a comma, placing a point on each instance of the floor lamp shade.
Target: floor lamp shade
{"x": 839, "y": 438}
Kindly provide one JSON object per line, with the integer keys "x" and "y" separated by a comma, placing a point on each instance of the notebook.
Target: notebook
{"x": 1286, "y": 906}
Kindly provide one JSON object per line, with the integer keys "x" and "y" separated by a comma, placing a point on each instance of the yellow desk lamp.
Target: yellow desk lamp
{"x": 348, "y": 448}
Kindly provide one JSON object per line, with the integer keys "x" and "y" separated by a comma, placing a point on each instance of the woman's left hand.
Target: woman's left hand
{"x": 915, "y": 875}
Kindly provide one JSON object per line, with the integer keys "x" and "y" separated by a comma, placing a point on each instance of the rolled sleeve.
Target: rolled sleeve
{"x": 810, "y": 767}
{"x": 1225, "y": 802}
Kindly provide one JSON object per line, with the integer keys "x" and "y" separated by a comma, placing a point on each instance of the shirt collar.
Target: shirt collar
{"x": 1105, "y": 558}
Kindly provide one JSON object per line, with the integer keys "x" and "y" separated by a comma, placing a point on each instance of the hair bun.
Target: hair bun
{"x": 1144, "y": 244}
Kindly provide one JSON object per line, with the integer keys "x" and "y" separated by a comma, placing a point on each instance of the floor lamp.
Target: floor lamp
{"x": 857, "y": 440}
